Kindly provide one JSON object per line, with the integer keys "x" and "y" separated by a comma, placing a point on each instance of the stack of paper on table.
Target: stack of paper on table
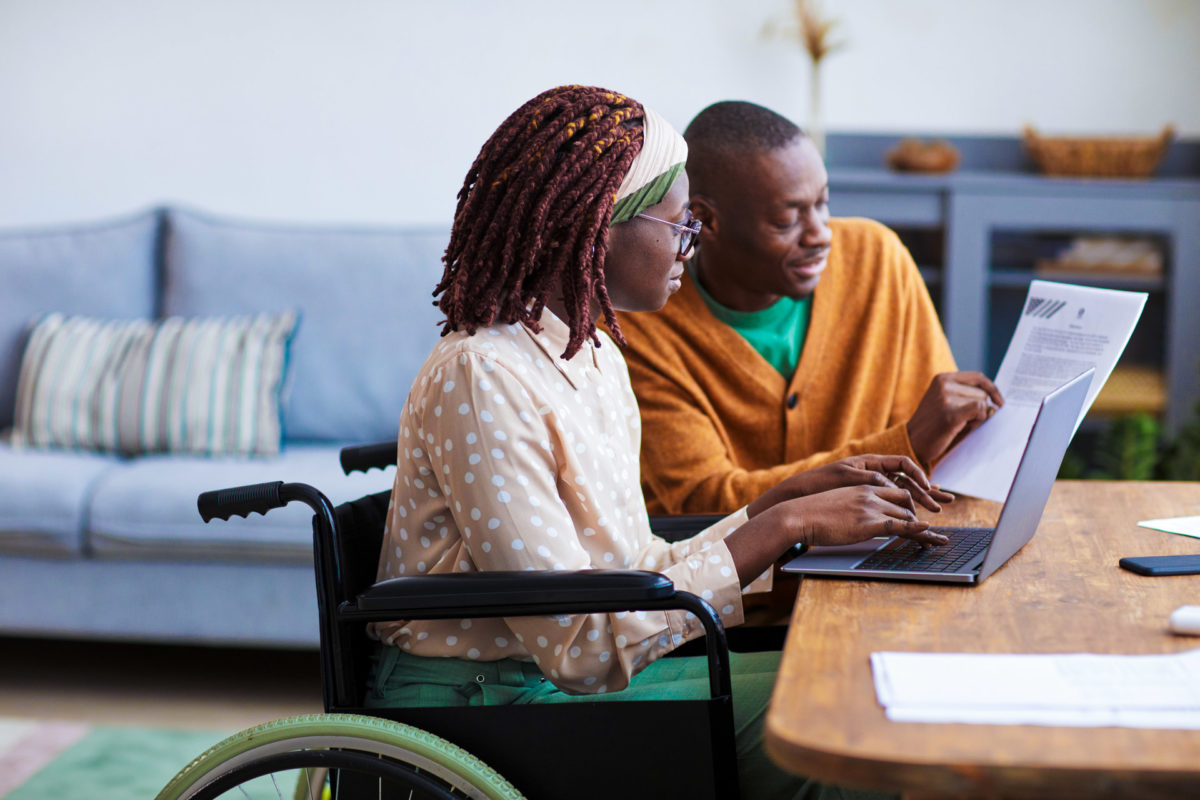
{"x": 1146, "y": 691}
{"x": 1184, "y": 526}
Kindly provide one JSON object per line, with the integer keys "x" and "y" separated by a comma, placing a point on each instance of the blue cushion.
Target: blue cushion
{"x": 365, "y": 297}
{"x": 237, "y": 604}
{"x": 146, "y": 507}
{"x": 101, "y": 270}
{"x": 43, "y": 498}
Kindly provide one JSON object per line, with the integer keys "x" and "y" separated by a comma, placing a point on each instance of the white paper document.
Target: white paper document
{"x": 1184, "y": 526}
{"x": 1063, "y": 330}
{"x": 1147, "y": 691}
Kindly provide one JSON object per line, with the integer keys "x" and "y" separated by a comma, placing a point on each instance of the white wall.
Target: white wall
{"x": 371, "y": 110}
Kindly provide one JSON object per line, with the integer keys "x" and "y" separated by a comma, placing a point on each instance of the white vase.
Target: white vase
{"x": 816, "y": 129}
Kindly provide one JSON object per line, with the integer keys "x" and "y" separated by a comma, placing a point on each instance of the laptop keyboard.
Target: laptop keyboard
{"x": 905, "y": 555}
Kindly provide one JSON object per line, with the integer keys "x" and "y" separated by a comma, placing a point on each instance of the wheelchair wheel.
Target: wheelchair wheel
{"x": 290, "y": 758}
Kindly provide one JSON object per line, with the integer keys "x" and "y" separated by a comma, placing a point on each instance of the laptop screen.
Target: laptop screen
{"x": 1048, "y": 440}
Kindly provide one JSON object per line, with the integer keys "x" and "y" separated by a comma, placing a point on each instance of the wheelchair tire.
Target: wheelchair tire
{"x": 364, "y": 745}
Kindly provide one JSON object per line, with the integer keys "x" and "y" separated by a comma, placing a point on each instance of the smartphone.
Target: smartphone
{"x": 1163, "y": 565}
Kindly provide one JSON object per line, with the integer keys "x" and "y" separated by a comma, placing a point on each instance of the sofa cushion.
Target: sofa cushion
{"x": 43, "y": 499}
{"x": 247, "y": 605}
{"x": 365, "y": 298}
{"x": 146, "y": 508}
{"x": 103, "y": 270}
{"x": 207, "y": 386}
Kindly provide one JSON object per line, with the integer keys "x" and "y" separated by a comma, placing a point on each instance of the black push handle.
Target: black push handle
{"x": 364, "y": 457}
{"x": 240, "y": 500}
{"x": 262, "y": 497}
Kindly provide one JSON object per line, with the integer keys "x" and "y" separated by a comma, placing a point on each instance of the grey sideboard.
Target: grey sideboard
{"x": 968, "y": 218}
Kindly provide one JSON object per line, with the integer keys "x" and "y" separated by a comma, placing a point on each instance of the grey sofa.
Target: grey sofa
{"x": 99, "y": 546}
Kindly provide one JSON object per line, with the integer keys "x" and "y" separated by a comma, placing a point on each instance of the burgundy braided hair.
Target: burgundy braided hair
{"x": 534, "y": 211}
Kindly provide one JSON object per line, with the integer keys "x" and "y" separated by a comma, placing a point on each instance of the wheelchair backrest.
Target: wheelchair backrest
{"x": 354, "y": 546}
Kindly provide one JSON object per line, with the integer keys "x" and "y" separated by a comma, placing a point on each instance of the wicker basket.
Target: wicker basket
{"x": 1099, "y": 157}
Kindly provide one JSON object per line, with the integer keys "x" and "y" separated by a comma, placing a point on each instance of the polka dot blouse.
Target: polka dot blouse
{"x": 510, "y": 458}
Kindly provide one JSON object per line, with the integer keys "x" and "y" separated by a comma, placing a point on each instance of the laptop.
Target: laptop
{"x": 973, "y": 553}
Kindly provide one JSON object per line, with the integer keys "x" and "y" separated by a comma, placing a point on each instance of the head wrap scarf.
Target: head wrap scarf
{"x": 653, "y": 171}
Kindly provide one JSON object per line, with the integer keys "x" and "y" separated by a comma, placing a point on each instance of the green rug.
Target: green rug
{"x": 65, "y": 761}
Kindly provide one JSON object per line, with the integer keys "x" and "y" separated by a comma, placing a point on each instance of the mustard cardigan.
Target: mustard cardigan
{"x": 720, "y": 425}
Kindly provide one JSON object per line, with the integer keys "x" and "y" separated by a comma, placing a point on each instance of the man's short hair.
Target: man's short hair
{"x": 733, "y": 127}
{"x": 738, "y": 125}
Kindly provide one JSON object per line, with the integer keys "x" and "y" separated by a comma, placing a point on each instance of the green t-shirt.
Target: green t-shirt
{"x": 776, "y": 333}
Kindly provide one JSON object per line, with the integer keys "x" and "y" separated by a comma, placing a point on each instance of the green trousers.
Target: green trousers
{"x": 399, "y": 679}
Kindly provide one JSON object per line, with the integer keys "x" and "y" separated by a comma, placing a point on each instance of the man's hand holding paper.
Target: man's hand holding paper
{"x": 1063, "y": 330}
{"x": 955, "y": 404}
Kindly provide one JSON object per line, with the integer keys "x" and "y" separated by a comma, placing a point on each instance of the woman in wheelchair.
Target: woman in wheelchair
{"x": 518, "y": 446}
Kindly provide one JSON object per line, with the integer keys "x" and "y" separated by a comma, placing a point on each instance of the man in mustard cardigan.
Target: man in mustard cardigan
{"x": 795, "y": 339}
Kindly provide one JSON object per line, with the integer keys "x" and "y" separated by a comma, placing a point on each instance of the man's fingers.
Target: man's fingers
{"x": 983, "y": 410}
{"x": 982, "y": 382}
{"x": 965, "y": 412}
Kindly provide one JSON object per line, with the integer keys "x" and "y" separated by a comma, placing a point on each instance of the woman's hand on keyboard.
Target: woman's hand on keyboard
{"x": 863, "y": 470}
{"x": 845, "y": 515}
{"x": 854, "y": 514}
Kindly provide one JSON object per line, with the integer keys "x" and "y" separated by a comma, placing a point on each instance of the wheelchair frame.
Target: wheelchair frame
{"x": 652, "y": 749}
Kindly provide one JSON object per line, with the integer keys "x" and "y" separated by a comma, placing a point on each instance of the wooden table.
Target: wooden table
{"x": 1062, "y": 593}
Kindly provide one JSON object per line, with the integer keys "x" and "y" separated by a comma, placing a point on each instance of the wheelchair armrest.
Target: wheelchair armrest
{"x": 473, "y": 591}
{"x": 364, "y": 457}
{"x": 684, "y": 526}
{"x": 516, "y": 594}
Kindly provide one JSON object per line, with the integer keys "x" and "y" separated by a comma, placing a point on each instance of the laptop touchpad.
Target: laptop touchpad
{"x": 860, "y": 549}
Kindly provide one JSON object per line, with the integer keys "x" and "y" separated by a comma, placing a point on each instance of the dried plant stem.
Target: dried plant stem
{"x": 814, "y": 34}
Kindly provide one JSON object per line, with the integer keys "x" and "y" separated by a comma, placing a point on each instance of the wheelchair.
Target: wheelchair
{"x": 586, "y": 750}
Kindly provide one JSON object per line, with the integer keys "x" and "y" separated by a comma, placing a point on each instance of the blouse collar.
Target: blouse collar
{"x": 553, "y": 341}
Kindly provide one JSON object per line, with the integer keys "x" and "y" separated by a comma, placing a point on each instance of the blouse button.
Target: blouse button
{"x": 792, "y": 400}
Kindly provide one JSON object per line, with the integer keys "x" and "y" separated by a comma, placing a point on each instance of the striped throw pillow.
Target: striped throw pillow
{"x": 199, "y": 386}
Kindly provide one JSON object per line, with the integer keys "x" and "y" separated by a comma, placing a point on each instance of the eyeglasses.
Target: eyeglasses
{"x": 688, "y": 230}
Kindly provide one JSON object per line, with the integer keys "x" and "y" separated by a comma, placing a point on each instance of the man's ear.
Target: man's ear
{"x": 705, "y": 210}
